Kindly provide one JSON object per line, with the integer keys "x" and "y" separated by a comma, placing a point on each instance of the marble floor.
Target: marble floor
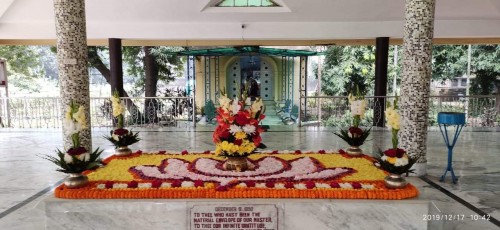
{"x": 26, "y": 179}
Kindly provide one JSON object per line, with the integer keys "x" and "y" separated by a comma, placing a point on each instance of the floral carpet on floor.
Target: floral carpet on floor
{"x": 274, "y": 174}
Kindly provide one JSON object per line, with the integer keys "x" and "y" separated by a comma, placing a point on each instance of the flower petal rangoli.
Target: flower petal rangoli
{"x": 266, "y": 168}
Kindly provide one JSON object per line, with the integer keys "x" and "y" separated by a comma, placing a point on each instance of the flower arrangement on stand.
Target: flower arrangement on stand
{"x": 354, "y": 135}
{"x": 395, "y": 160}
{"x": 77, "y": 158}
{"x": 121, "y": 137}
{"x": 238, "y": 133}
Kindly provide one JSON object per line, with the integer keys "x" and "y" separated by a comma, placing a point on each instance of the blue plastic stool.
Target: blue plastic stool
{"x": 446, "y": 119}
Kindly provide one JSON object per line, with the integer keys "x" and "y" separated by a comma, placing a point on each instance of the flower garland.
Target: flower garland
{"x": 238, "y": 131}
{"x": 120, "y": 137}
{"x": 321, "y": 174}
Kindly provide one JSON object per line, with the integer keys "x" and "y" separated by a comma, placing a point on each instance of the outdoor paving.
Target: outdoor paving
{"x": 23, "y": 174}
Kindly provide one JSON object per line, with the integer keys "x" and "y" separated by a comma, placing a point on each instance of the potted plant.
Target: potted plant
{"x": 354, "y": 135}
{"x": 120, "y": 137}
{"x": 396, "y": 161}
{"x": 238, "y": 132}
{"x": 76, "y": 159}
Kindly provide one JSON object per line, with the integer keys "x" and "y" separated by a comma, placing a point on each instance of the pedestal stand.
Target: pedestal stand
{"x": 445, "y": 120}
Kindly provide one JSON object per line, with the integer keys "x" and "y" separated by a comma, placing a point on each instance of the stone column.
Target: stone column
{"x": 72, "y": 61}
{"x": 416, "y": 76}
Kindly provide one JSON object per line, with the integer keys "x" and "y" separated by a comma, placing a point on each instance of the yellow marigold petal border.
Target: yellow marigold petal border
{"x": 359, "y": 163}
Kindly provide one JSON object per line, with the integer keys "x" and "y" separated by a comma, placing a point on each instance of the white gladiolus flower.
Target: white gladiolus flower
{"x": 234, "y": 129}
{"x": 384, "y": 158}
{"x": 115, "y": 137}
{"x": 224, "y": 102}
{"x": 257, "y": 106}
{"x": 235, "y": 107}
{"x": 358, "y": 107}
{"x": 249, "y": 129}
{"x": 68, "y": 159}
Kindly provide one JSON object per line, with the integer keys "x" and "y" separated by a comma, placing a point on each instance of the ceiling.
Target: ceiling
{"x": 297, "y": 20}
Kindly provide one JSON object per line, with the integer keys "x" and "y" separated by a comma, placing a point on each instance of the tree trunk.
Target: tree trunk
{"x": 96, "y": 62}
{"x": 151, "y": 79}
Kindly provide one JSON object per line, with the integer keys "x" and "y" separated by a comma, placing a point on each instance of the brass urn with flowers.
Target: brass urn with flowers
{"x": 238, "y": 132}
{"x": 120, "y": 137}
{"x": 76, "y": 159}
{"x": 396, "y": 161}
{"x": 354, "y": 135}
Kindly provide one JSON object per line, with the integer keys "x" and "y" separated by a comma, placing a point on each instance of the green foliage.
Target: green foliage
{"x": 346, "y": 67}
{"x": 23, "y": 66}
{"x": 124, "y": 140}
{"x": 451, "y": 61}
{"x": 209, "y": 110}
{"x": 351, "y": 139}
{"x": 167, "y": 64}
{"x": 77, "y": 165}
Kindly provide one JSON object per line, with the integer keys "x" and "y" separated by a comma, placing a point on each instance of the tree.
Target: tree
{"x": 149, "y": 65}
{"x": 23, "y": 66}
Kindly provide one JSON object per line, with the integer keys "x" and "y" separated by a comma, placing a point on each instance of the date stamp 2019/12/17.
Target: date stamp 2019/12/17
{"x": 454, "y": 217}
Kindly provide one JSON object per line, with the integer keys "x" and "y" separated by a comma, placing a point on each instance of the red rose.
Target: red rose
{"x": 341, "y": 151}
{"x": 257, "y": 140}
{"x": 289, "y": 185}
{"x": 390, "y": 152}
{"x": 206, "y": 152}
{"x": 198, "y": 183}
{"x": 120, "y": 132}
{"x": 184, "y": 152}
{"x": 356, "y": 185}
{"x": 298, "y": 151}
{"x": 176, "y": 183}
{"x": 270, "y": 184}
{"x": 221, "y": 188}
{"x": 76, "y": 151}
{"x": 156, "y": 184}
{"x": 274, "y": 152}
{"x": 109, "y": 184}
{"x": 310, "y": 185}
{"x": 334, "y": 185}
{"x": 238, "y": 142}
{"x": 250, "y": 183}
{"x": 132, "y": 184}
{"x": 400, "y": 153}
{"x": 162, "y": 152}
{"x": 355, "y": 131}
{"x": 241, "y": 119}
{"x": 321, "y": 151}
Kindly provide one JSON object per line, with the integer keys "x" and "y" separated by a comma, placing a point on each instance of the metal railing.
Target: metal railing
{"x": 481, "y": 111}
{"x": 45, "y": 112}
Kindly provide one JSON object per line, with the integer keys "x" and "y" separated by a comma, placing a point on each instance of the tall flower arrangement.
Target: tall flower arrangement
{"x": 395, "y": 160}
{"x": 238, "y": 132}
{"x": 354, "y": 135}
{"x": 120, "y": 137}
{"x": 76, "y": 158}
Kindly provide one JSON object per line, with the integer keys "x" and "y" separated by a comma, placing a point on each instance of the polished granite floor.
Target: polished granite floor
{"x": 26, "y": 179}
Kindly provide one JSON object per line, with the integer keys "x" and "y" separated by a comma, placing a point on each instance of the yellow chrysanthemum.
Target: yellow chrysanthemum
{"x": 240, "y": 135}
{"x": 392, "y": 160}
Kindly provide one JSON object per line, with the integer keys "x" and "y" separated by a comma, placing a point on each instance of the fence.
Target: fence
{"x": 45, "y": 112}
{"x": 481, "y": 111}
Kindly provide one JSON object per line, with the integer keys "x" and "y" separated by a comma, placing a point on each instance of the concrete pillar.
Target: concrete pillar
{"x": 72, "y": 61}
{"x": 416, "y": 76}
{"x": 381, "y": 60}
